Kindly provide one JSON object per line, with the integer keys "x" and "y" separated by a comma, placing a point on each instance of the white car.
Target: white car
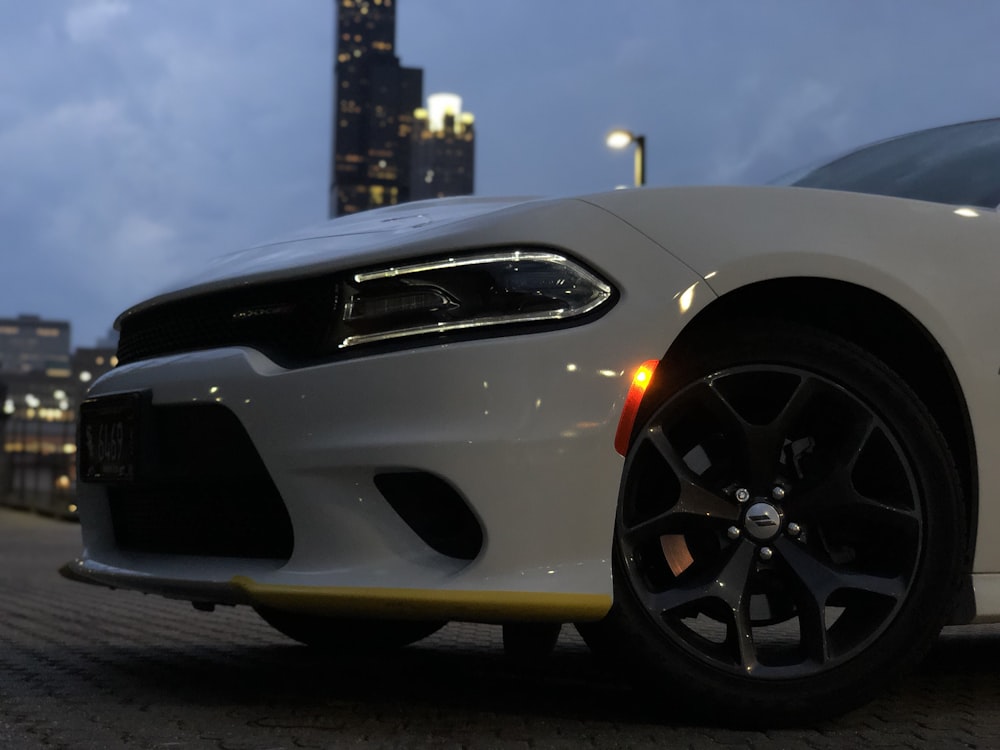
{"x": 741, "y": 436}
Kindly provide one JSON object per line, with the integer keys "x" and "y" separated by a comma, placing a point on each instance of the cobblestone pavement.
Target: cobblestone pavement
{"x": 84, "y": 668}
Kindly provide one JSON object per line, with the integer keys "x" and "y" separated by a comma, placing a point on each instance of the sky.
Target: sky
{"x": 140, "y": 138}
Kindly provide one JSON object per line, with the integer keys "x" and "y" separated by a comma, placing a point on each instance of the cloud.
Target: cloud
{"x": 140, "y": 235}
{"x": 138, "y": 139}
{"x": 92, "y": 20}
{"x": 754, "y": 152}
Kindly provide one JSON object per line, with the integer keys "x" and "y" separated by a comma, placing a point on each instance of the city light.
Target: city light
{"x": 619, "y": 139}
{"x": 42, "y": 382}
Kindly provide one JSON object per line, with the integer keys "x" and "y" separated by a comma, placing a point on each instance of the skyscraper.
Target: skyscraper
{"x": 375, "y": 99}
{"x": 443, "y": 149}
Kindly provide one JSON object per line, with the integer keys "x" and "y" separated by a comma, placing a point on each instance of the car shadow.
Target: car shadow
{"x": 446, "y": 674}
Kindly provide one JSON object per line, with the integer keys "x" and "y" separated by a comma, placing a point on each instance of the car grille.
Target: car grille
{"x": 203, "y": 491}
{"x": 288, "y": 321}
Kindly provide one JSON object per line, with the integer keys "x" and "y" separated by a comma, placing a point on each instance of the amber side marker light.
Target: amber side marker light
{"x": 640, "y": 381}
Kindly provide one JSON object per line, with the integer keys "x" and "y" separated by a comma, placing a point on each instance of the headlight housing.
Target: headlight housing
{"x": 465, "y": 292}
{"x": 298, "y": 322}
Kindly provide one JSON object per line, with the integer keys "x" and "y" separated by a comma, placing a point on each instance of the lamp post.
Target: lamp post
{"x": 621, "y": 139}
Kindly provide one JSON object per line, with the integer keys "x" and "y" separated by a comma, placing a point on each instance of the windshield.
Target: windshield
{"x": 955, "y": 164}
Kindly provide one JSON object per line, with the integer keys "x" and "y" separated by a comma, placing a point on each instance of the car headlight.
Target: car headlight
{"x": 465, "y": 292}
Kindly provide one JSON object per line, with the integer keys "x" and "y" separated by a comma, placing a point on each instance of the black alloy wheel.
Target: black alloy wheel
{"x": 788, "y": 530}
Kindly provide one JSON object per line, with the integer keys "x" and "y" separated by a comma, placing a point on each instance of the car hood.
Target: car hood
{"x": 349, "y": 237}
{"x": 683, "y": 221}
{"x": 368, "y": 237}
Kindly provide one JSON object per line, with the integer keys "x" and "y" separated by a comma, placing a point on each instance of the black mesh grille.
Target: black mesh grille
{"x": 206, "y": 491}
{"x": 289, "y": 321}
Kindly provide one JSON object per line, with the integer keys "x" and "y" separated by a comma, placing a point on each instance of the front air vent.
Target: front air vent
{"x": 435, "y": 511}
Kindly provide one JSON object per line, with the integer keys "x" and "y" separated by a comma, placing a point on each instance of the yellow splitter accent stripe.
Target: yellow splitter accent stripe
{"x": 423, "y": 604}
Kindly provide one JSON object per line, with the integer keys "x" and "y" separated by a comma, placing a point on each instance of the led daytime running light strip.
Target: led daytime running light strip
{"x": 476, "y": 260}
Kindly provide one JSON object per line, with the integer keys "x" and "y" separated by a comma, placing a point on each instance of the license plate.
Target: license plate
{"x": 109, "y": 438}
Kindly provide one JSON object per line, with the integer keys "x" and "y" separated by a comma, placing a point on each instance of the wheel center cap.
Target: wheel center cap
{"x": 762, "y": 521}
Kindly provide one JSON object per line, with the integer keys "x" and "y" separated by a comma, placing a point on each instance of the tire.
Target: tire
{"x": 789, "y": 529}
{"x": 347, "y": 635}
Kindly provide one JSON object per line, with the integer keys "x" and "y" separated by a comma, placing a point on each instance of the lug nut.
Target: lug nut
{"x": 733, "y": 533}
{"x": 766, "y": 553}
{"x": 778, "y": 493}
{"x": 742, "y": 494}
{"x": 794, "y": 529}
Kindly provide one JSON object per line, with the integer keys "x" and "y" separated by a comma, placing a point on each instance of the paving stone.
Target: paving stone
{"x": 83, "y": 668}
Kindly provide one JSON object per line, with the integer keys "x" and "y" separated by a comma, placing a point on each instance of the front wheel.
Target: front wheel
{"x": 789, "y": 530}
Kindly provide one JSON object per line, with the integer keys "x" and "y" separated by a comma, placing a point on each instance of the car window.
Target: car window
{"x": 955, "y": 164}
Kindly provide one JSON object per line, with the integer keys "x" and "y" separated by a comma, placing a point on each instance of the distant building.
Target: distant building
{"x": 37, "y": 370}
{"x": 374, "y": 101}
{"x": 89, "y": 363}
{"x": 29, "y": 344}
{"x": 443, "y": 149}
{"x": 41, "y": 387}
{"x": 37, "y": 436}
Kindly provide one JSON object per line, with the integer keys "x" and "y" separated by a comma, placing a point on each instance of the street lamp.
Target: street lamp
{"x": 621, "y": 139}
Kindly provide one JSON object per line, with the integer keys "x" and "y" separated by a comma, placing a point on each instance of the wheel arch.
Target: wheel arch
{"x": 885, "y": 329}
